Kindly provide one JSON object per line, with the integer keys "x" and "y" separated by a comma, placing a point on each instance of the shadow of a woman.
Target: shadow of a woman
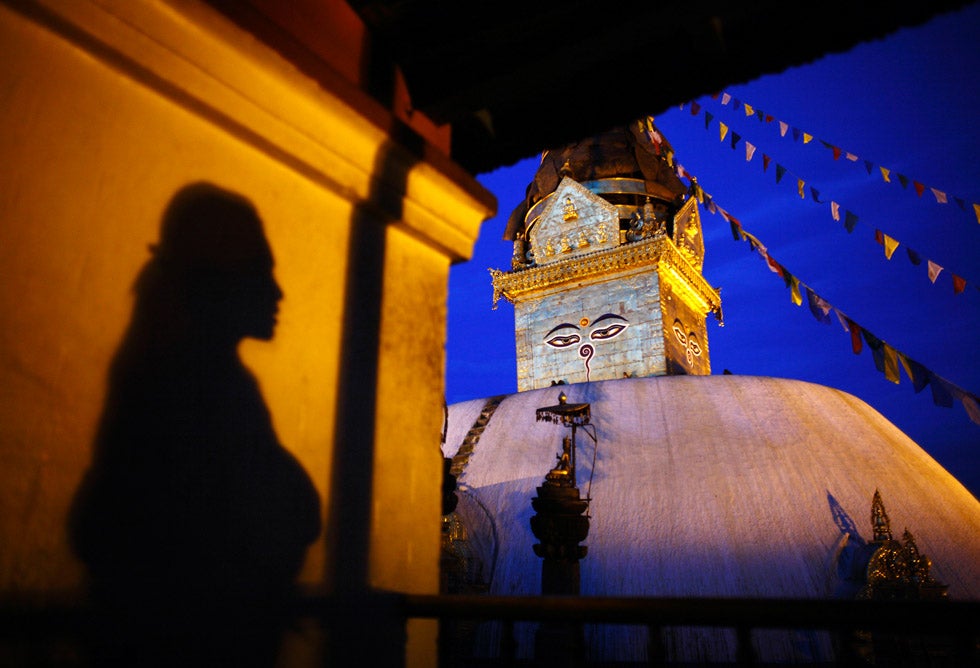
{"x": 193, "y": 520}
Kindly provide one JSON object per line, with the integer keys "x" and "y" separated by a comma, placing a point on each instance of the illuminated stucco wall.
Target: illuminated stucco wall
{"x": 110, "y": 109}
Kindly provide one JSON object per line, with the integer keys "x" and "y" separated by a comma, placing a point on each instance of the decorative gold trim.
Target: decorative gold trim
{"x": 658, "y": 250}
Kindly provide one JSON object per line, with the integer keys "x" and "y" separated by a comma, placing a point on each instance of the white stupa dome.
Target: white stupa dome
{"x": 710, "y": 486}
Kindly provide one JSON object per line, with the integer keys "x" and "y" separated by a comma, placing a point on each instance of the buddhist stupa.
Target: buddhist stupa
{"x": 698, "y": 485}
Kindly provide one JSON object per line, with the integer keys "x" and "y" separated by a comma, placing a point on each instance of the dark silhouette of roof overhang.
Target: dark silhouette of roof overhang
{"x": 513, "y": 78}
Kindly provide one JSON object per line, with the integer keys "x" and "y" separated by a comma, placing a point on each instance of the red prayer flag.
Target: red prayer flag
{"x": 959, "y": 284}
{"x": 919, "y": 188}
{"x": 855, "y": 330}
{"x": 774, "y": 266}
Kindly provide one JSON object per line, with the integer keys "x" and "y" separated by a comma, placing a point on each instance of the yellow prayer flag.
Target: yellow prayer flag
{"x": 884, "y": 174}
{"x": 794, "y": 291}
{"x": 799, "y": 186}
{"x": 748, "y": 110}
{"x": 807, "y": 138}
{"x": 890, "y": 245}
{"x": 724, "y": 130}
{"x": 891, "y": 363}
{"x": 976, "y": 210}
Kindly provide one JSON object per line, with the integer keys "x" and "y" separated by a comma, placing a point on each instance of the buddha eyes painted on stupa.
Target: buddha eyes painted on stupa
{"x": 563, "y": 340}
{"x": 692, "y": 348}
{"x": 560, "y": 337}
{"x": 608, "y": 332}
{"x": 605, "y": 327}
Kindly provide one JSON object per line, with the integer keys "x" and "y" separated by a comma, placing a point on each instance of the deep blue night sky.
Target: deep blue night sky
{"x": 907, "y": 103}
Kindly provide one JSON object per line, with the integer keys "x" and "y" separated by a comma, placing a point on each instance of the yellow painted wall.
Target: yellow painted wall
{"x": 108, "y": 109}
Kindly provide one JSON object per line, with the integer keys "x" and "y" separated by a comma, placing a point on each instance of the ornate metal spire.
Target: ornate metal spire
{"x": 879, "y": 520}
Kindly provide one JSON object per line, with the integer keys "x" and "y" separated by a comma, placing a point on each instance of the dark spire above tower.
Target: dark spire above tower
{"x": 637, "y": 150}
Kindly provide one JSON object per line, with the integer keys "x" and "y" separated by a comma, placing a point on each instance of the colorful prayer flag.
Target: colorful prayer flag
{"x": 959, "y": 284}
{"x": 918, "y": 374}
{"x": 942, "y": 391}
{"x": 735, "y": 230}
{"x": 877, "y": 347}
{"x": 794, "y": 288}
{"x": 940, "y": 196}
{"x": 855, "y": 330}
{"x": 818, "y": 307}
{"x": 971, "y": 407}
{"x": 890, "y": 246}
{"x": 934, "y": 270}
{"x": 774, "y": 266}
{"x": 891, "y": 363}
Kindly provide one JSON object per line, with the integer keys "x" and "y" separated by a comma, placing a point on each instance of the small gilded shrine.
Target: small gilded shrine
{"x": 606, "y": 275}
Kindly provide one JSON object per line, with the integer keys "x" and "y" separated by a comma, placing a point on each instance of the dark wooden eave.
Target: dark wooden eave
{"x": 515, "y": 77}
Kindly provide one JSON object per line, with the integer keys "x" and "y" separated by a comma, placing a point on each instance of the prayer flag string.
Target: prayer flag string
{"x": 850, "y": 219}
{"x": 887, "y": 359}
{"x": 941, "y": 196}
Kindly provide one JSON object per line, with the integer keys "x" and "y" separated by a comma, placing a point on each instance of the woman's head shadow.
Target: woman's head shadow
{"x": 209, "y": 281}
{"x": 192, "y": 511}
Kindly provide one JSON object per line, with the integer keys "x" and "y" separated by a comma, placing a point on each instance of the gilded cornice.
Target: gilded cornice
{"x": 658, "y": 250}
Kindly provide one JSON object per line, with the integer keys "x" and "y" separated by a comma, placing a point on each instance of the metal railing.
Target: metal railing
{"x": 952, "y": 627}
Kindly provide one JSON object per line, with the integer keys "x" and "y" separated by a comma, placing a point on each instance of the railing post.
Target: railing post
{"x": 508, "y": 643}
{"x": 656, "y": 651}
{"x": 744, "y": 654}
